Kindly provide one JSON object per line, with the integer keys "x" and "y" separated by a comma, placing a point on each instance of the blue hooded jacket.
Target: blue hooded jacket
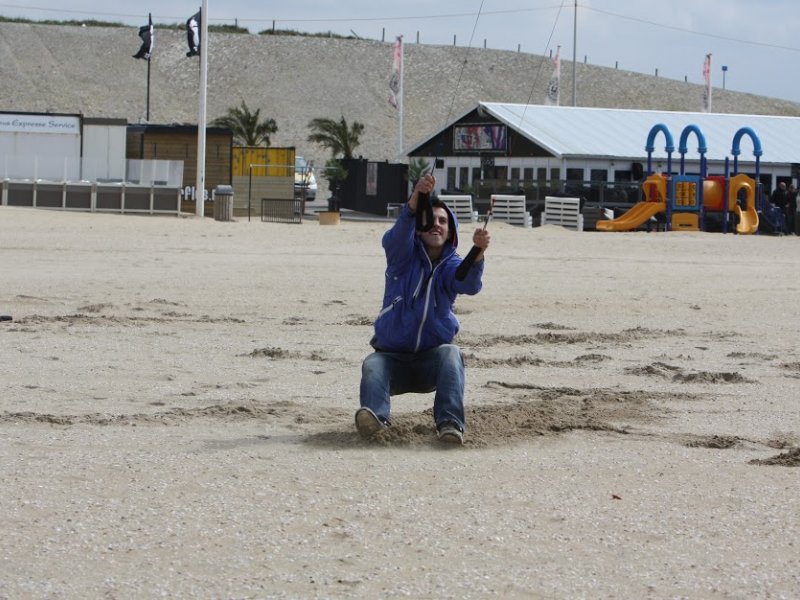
{"x": 418, "y": 299}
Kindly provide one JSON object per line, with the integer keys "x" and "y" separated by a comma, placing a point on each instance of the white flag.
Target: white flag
{"x": 193, "y": 35}
{"x": 397, "y": 72}
{"x": 552, "y": 96}
{"x": 707, "y": 80}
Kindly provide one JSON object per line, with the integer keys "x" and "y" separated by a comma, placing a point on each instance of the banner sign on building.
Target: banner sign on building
{"x": 12, "y": 123}
{"x": 480, "y": 138}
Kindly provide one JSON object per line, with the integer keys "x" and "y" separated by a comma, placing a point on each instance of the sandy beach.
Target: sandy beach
{"x": 177, "y": 400}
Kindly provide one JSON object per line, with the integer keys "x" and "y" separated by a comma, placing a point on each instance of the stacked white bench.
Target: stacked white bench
{"x": 511, "y": 209}
{"x": 461, "y": 207}
{"x": 563, "y": 211}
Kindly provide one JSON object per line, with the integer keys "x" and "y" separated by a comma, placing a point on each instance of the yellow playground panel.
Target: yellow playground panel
{"x": 685, "y": 221}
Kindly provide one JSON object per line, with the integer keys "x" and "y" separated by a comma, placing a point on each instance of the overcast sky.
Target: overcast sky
{"x": 759, "y": 41}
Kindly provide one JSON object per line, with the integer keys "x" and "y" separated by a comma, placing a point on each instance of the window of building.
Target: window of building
{"x": 623, "y": 176}
{"x": 541, "y": 174}
{"x": 527, "y": 174}
{"x": 598, "y": 175}
{"x": 463, "y": 177}
{"x": 451, "y": 178}
{"x": 574, "y": 174}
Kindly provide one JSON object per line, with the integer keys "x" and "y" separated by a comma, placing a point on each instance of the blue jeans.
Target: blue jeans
{"x": 385, "y": 374}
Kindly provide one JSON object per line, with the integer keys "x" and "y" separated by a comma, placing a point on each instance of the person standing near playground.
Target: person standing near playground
{"x": 791, "y": 210}
{"x": 414, "y": 331}
{"x": 780, "y": 198}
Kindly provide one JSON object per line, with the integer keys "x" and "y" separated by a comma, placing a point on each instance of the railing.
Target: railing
{"x": 92, "y": 197}
{"x": 281, "y": 210}
{"x": 595, "y": 193}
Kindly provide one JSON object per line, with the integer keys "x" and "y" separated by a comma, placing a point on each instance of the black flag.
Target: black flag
{"x": 148, "y": 37}
{"x": 193, "y": 35}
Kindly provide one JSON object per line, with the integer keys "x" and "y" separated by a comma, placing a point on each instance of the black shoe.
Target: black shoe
{"x": 368, "y": 423}
{"x": 450, "y": 433}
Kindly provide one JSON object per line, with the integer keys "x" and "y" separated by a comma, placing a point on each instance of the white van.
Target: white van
{"x": 304, "y": 178}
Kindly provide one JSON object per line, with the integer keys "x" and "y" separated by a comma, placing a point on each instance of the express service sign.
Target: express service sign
{"x": 12, "y": 123}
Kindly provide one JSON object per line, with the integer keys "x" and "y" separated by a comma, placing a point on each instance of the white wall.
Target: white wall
{"x": 103, "y": 152}
{"x": 40, "y": 147}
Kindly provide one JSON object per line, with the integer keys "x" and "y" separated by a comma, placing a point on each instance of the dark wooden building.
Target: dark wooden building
{"x": 179, "y": 142}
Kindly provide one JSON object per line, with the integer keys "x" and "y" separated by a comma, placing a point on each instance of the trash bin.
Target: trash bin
{"x": 223, "y": 203}
{"x": 333, "y": 204}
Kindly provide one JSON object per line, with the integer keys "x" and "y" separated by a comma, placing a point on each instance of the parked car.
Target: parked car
{"x": 304, "y": 178}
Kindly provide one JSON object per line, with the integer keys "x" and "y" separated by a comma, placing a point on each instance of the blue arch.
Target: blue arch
{"x": 701, "y": 139}
{"x": 737, "y": 139}
{"x": 736, "y": 151}
{"x": 701, "y": 148}
{"x": 651, "y": 138}
{"x": 670, "y": 147}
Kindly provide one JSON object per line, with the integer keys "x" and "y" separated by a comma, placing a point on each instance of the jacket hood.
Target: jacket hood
{"x": 453, "y": 225}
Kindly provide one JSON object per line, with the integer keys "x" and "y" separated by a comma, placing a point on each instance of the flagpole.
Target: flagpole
{"x": 147, "y": 117}
{"x": 575, "y": 55}
{"x": 200, "y": 184}
{"x": 149, "y": 58}
{"x": 400, "y": 99}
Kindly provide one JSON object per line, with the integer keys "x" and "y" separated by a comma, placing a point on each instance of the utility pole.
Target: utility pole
{"x": 575, "y": 55}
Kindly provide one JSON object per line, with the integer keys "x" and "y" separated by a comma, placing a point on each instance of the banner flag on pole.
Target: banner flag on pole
{"x": 707, "y": 80}
{"x": 193, "y": 35}
{"x": 397, "y": 72}
{"x": 553, "y": 88}
{"x": 147, "y": 34}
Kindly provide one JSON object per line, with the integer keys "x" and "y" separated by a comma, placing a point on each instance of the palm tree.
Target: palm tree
{"x": 336, "y": 135}
{"x": 247, "y": 129}
{"x": 417, "y": 167}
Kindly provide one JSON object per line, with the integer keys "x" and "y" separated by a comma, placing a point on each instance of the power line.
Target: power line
{"x": 325, "y": 20}
{"x": 691, "y": 31}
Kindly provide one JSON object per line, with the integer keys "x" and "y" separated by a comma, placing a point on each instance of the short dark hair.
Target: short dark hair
{"x": 437, "y": 202}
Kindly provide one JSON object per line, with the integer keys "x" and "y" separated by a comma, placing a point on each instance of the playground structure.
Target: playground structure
{"x": 685, "y": 199}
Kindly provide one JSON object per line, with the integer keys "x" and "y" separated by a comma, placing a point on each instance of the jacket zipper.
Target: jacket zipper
{"x": 427, "y": 303}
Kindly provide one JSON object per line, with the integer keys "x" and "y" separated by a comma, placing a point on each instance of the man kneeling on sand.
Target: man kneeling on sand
{"x": 414, "y": 330}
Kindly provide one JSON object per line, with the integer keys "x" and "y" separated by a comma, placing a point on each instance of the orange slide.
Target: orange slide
{"x": 636, "y": 216}
{"x": 748, "y": 217}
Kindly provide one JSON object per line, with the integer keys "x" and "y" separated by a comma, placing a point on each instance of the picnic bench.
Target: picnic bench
{"x": 563, "y": 211}
{"x": 511, "y": 209}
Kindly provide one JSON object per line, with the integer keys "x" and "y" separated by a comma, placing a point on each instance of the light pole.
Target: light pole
{"x": 724, "y": 70}
{"x": 574, "y": 55}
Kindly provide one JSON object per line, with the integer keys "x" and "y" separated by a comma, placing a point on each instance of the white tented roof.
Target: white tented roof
{"x": 572, "y": 132}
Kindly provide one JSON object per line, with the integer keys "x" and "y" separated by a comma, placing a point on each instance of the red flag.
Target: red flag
{"x": 554, "y": 86}
{"x": 707, "y": 80}
{"x": 395, "y": 81}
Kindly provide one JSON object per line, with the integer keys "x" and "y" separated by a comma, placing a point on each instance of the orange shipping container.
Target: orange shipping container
{"x": 261, "y": 161}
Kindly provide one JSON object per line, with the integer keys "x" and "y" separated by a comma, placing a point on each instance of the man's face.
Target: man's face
{"x": 440, "y": 232}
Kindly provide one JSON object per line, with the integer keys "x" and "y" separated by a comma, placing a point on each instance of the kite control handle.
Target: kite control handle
{"x": 469, "y": 259}
{"x": 424, "y": 212}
